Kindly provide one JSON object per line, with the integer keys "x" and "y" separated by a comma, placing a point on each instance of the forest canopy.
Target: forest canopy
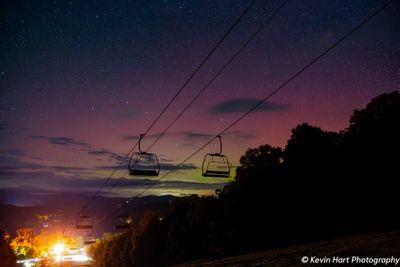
{"x": 321, "y": 184}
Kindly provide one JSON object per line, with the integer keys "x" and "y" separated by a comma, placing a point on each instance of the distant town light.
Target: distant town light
{"x": 58, "y": 248}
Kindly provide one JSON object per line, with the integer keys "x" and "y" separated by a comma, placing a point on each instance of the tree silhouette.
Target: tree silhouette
{"x": 321, "y": 185}
{"x": 7, "y": 257}
{"x": 369, "y": 159}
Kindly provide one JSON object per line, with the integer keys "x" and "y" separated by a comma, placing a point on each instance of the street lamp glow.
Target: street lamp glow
{"x": 58, "y": 248}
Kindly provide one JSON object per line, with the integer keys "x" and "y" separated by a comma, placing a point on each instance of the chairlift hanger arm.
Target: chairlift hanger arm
{"x": 142, "y": 163}
{"x": 140, "y": 139}
{"x": 220, "y": 144}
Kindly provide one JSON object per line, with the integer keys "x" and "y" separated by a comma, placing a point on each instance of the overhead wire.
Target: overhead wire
{"x": 201, "y": 64}
{"x": 220, "y": 71}
{"x": 110, "y": 176}
{"x": 231, "y": 28}
{"x": 275, "y": 91}
{"x": 193, "y": 74}
{"x": 197, "y": 69}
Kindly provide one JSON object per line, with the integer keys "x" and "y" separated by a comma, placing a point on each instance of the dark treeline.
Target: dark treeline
{"x": 7, "y": 257}
{"x": 321, "y": 185}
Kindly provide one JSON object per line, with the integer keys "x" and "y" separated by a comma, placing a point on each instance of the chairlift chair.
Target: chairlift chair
{"x": 123, "y": 222}
{"x": 84, "y": 221}
{"x": 89, "y": 239}
{"x": 216, "y": 164}
{"x": 143, "y": 164}
{"x": 73, "y": 246}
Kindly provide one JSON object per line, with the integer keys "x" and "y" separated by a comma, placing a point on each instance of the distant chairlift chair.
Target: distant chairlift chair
{"x": 143, "y": 164}
{"x": 216, "y": 164}
{"x": 122, "y": 222}
{"x": 84, "y": 221}
{"x": 89, "y": 239}
{"x": 73, "y": 245}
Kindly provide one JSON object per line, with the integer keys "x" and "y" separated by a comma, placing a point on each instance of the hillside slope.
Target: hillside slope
{"x": 372, "y": 245}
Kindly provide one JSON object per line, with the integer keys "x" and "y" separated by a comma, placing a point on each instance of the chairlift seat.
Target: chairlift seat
{"x": 216, "y": 165}
{"x": 84, "y": 223}
{"x": 89, "y": 239}
{"x": 216, "y": 174}
{"x": 84, "y": 227}
{"x": 144, "y": 164}
{"x": 143, "y": 172}
{"x": 121, "y": 226}
{"x": 123, "y": 222}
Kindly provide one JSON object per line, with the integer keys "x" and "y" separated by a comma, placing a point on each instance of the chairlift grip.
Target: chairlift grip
{"x": 220, "y": 144}
{"x": 140, "y": 139}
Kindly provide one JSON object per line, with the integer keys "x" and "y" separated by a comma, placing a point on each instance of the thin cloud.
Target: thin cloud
{"x": 190, "y": 139}
{"x": 11, "y": 163}
{"x": 164, "y": 166}
{"x": 168, "y": 184}
{"x": 14, "y": 152}
{"x": 169, "y": 166}
{"x": 192, "y": 136}
{"x": 61, "y": 140}
{"x": 128, "y": 137}
{"x": 103, "y": 152}
{"x": 4, "y": 126}
{"x": 10, "y": 166}
{"x": 54, "y": 181}
{"x": 86, "y": 147}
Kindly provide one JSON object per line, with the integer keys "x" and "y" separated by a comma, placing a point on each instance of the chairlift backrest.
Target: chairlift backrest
{"x": 89, "y": 239}
{"x": 123, "y": 222}
{"x": 143, "y": 164}
{"x": 84, "y": 222}
{"x": 216, "y": 164}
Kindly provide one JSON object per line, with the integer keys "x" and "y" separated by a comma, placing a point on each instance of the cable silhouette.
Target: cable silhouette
{"x": 275, "y": 91}
{"x": 197, "y": 69}
{"x": 201, "y": 65}
{"x": 220, "y": 71}
{"x": 110, "y": 176}
{"x": 231, "y": 28}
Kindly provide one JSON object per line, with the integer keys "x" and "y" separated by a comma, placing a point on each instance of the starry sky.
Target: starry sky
{"x": 80, "y": 80}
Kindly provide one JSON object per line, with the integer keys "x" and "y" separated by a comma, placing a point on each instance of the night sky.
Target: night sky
{"x": 80, "y": 80}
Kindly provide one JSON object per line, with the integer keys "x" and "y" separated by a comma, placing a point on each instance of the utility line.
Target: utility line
{"x": 173, "y": 98}
{"x": 231, "y": 28}
{"x": 221, "y": 70}
{"x": 234, "y": 56}
{"x": 298, "y": 73}
{"x": 201, "y": 64}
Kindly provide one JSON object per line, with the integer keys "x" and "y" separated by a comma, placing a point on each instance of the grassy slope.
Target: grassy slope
{"x": 378, "y": 245}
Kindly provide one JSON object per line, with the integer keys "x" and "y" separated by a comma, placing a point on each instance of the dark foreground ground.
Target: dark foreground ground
{"x": 372, "y": 245}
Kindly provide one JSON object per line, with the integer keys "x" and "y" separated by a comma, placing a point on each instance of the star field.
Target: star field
{"x": 80, "y": 80}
